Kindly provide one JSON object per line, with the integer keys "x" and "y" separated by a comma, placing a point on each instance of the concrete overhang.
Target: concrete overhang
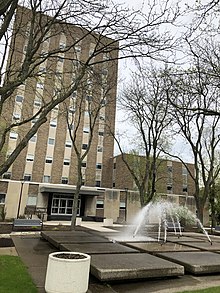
{"x": 70, "y": 189}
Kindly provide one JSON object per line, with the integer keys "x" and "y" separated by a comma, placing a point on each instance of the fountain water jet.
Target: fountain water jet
{"x": 163, "y": 213}
{"x": 154, "y": 221}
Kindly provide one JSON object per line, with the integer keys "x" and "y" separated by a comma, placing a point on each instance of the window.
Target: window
{"x": 101, "y": 133}
{"x": 86, "y": 129}
{"x": 60, "y": 59}
{"x": 122, "y": 205}
{"x": 40, "y": 85}
{"x": 103, "y": 101}
{"x": 53, "y": 123}
{"x": 99, "y": 166}
{"x": 83, "y": 164}
{"x": 37, "y": 102}
{"x": 49, "y": 160}
{"x": 99, "y": 148}
{"x": 114, "y": 166}
{"x": 98, "y": 183}
{"x": 71, "y": 126}
{"x": 100, "y": 203}
{"x": 2, "y": 198}
{"x": 72, "y": 110}
{"x": 30, "y": 158}
{"x": 78, "y": 48}
{"x": 61, "y": 204}
{"x": 184, "y": 170}
{"x": 68, "y": 144}
{"x": 34, "y": 120}
{"x": 42, "y": 69}
{"x": 84, "y": 146}
{"x": 89, "y": 98}
{"x": 27, "y": 177}
{"x": 66, "y": 162}
{"x": 6, "y": 175}
{"x": 185, "y": 189}
{"x": 46, "y": 179}
{"x": 13, "y": 135}
{"x": 62, "y": 45}
{"x": 169, "y": 169}
{"x": 86, "y": 113}
{"x": 51, "y": 141}
{"x": 16, "y": 116}
{"x": 64, "y": 180}
{"x": 105, "y": 71}
{"x": 169, "y": 188}
{"x": 33, "y": 138}
{"x": 19, "y": 99}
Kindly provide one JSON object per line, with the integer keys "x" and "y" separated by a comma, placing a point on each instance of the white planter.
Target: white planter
{"x": 67, "y": 275}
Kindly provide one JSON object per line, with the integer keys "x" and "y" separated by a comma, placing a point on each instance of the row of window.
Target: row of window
{"x": 66, "y": 162}
{"x": 51, "y": 141}
{"x": 170, "y": 188}
{"x": 46, "y": 179}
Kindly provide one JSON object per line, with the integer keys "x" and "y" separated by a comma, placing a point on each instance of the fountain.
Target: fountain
{"x": 162, "y": 216}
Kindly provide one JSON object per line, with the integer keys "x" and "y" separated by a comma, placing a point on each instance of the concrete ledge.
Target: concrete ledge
{"x": 110, "y": 267}
{"x": 197, "y": 263}
{"x": 108, "y": 222}
{"x": 78, "y": 221}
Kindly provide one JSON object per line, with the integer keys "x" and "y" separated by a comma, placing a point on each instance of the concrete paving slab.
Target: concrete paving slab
{"x": 183, "y": 239}
{"x": 197, "y": 263}
{"x": 156, "y": 247}
{"x": 46, "y": 234}
{"x": 109, "y": 267}
{"x": 58, "y": 240}
{"x": 214, "y": 238}
{"x": 203, "y": 245}
{"x": 98, "y": 248}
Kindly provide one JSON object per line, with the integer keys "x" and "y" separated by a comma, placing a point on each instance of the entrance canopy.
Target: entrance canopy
{"x": 70, "y": 189}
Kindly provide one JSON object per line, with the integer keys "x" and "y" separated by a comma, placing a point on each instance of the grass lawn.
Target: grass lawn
{"x": 14, "y": 277}
{"x": 208, "y": 290}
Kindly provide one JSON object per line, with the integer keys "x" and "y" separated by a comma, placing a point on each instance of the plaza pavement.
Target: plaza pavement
{"x": 34, "y": 252}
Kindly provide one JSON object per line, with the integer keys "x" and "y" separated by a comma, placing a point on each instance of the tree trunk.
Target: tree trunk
{"x": 76, "y": 198}
{"x": 200, "y": 211}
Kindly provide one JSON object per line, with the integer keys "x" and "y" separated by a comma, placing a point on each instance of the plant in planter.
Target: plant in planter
{"x": 67, "y": 272}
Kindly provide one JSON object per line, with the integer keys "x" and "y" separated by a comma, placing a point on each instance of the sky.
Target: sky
{"x": 124, "y": 127}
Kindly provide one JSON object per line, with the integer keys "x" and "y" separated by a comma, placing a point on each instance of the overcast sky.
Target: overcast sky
{"x": 124, "y": 127}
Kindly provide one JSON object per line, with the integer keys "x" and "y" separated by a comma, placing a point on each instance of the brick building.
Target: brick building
{"x": 49, "y": 157}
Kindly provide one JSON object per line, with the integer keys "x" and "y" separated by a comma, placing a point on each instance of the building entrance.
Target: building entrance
{"x": 61, "y": 205}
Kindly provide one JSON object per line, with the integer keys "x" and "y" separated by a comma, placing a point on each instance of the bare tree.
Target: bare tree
{"x": 190, "y": 92}
{"x": 145, "y": 104}
{"x": 87, "y": 109}
{"x": 27, "y": 34}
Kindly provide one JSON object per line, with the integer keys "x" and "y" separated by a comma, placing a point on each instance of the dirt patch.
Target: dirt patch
{"x": 69, "y": 256}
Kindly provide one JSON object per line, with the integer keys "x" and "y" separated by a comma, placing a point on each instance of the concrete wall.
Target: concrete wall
{"x": 111, "y": 204}
{"x": 133, "y": 205}
{"x": 90, "y": 206}
{"x": 12, "y": 199}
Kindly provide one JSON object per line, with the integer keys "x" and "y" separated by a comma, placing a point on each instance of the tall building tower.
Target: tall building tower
{"x": 70, "y": 62}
